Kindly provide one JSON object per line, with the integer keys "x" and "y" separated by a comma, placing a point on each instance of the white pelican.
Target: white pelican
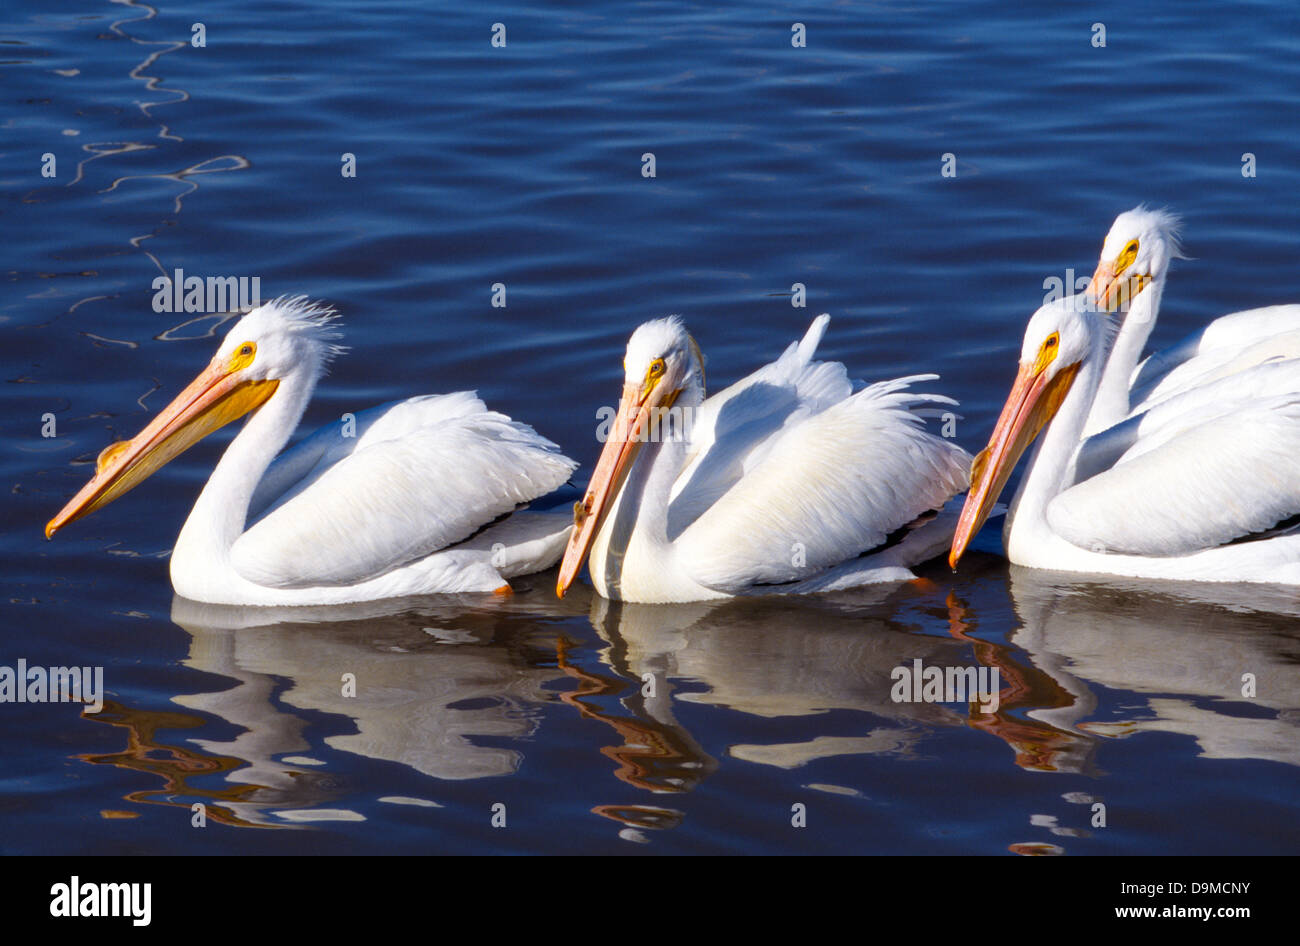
{"x": 780, "y": 483}
{"x": 1131, "y": 274}
{"x": 1192, "y": 488}
{"x": 395, "y": 506}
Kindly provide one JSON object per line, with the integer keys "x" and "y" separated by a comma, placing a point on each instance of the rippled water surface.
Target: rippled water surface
{"x": 522, "y": 165}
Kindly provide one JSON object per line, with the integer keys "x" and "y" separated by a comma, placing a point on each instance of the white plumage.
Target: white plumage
{"x": 786, "y": 479}
{"x": 1172, "y": 492}
{"x": 1219, "y": 479}
{"x": 858, "y": 469}
{"x": 398, "y": 500}
{"x": 447, "y": 465}
{"x": 1131, "y": 275}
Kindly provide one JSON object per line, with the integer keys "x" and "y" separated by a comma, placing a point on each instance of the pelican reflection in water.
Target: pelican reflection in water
{"x": 455, "y": 691}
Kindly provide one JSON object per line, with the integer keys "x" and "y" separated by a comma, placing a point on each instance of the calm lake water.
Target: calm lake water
{"x": 522, "y": 165}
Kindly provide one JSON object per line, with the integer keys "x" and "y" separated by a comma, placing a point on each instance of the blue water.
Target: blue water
{"x": 522, "y": 165}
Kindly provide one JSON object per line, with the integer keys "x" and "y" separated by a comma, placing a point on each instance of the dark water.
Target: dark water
{"x": 522, "y": 165}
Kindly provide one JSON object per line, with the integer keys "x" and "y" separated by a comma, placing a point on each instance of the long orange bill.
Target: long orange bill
{"x": 626, "y": 436}
{"x": 1034, "y": 400}
{"x": 1102, "y": 285}
{"x": 212, "y": 400}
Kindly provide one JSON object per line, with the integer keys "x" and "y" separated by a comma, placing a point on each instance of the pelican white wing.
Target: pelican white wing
{"x": 419, "y": 475}
{"x": 734, "y": 428}
{"x": 1201, "y": 486}
{"x": 299, "y": 466}
{"x": 1228, "y": 345}
{"x": 826, "y": 488}
{"x": 1154, "y": 426}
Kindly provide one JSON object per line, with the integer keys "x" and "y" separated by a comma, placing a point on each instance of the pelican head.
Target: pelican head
{"x": 662, "y": 362}
{"x": 1136, "y": 252}
{"x": 662, "y": 348}
{"x": 285, "y": 337}
{"x": 1058, "y": 340}
{"x": 288, "y": 335}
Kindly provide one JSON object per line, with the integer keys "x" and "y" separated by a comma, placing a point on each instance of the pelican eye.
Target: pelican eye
{"x": 1126, "y": 258}
{"x": 656, "y": 368}
{"x": 1047, "y": 353}
{"x": 243, "y": 356}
